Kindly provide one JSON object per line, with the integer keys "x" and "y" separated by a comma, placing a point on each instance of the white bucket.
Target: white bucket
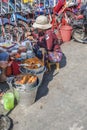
{"x": 27, "y": 98}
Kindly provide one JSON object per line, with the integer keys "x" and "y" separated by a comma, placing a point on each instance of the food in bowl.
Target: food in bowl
{"x": 33, "y": 63}
{"x": 24, "y": 79}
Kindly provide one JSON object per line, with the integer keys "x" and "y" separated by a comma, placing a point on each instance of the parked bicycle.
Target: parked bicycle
{"x": 80, "y": 27}
{"x": 15, "y": 25}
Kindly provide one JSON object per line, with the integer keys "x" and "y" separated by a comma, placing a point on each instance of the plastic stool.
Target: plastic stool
{"x": 49, "y": 64}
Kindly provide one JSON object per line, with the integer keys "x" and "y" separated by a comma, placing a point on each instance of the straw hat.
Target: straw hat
{"x": 42, "y": 23}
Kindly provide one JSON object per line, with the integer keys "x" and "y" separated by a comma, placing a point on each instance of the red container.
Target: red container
{"x": 66, "y": 33}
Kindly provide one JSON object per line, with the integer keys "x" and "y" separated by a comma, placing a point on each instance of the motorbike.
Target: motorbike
{"x": 9, "y": 7}
{"x": 17, "y": 6}
{"x": 42, "y": 8}
{"x": 20, "y": 17}
{"x": 68, "y": 11}
{"x": 13, "y": 21}
{"x": 5, "y": 34}
{"x": 13, "y": 24}
{"x": 80, "y": 27}
{"x": 21, "y": 20}
{"x": 26, "y": 8}
{"x": 67, "y": 14}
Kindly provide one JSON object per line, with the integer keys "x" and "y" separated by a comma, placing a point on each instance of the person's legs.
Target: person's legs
{"x": 44, "y": 53}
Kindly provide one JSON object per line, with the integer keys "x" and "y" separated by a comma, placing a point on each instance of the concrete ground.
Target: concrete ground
{"x": 62, "y": 99}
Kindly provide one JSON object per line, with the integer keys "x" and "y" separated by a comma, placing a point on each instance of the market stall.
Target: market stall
{"x": 21, "y": 68}
{"x": 20, "y": 60}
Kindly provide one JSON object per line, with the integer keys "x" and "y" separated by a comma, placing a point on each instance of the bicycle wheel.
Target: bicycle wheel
{"x": 23, "y": 25}
{"x": 8, "y": 32}
{"x": 6, "y": 123}
{"x": 78, "y": 35}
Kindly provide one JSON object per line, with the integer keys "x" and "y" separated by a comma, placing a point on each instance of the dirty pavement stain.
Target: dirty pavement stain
{"x": 76, "y": 127}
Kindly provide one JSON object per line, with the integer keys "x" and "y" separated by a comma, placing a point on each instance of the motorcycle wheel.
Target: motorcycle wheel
{"x": 13, "y": 31}
{"x": 23, "y": 25}
{"x": 19, "y": 30}
{"x": 79, "y": 35}
{"x": 8, "y": 32}
{"x": 8, "y": 37}
{"x": 8, "y": 28}
{"x": 6, "y": 123}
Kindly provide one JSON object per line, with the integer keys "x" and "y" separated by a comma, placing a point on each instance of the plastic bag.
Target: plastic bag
{"x": 8, "y": 100}
{"x": 54, "y": 56}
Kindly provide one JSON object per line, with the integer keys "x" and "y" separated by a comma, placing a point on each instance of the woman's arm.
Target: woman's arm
{"x": 49, "y": 40}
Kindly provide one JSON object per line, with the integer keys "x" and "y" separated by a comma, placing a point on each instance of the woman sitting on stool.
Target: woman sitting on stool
{"x": 47, "y": 41}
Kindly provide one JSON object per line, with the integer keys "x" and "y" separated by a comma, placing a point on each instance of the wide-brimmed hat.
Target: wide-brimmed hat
{"x": 42, "y": 22}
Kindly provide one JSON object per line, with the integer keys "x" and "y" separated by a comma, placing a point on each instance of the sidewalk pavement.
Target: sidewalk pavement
{"x": 62, "y": 99}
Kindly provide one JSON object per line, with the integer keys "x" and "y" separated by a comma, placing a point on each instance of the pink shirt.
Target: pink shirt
{"x": 47, "y": 40}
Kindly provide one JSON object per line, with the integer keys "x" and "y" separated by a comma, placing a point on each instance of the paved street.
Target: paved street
{"x": 62, "y": 99}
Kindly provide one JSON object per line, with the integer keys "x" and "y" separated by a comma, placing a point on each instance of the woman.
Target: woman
{"x": 47, "y": 40}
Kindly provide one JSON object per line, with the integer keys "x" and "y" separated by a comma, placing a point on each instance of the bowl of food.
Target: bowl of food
{"x": 25, "y": 82}
{"x": 33, "y": 65}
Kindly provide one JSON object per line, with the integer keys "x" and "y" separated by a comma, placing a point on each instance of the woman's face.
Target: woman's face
{"x": 40, "y": 30}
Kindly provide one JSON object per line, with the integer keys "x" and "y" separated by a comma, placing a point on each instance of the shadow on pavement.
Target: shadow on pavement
{"x": 43, "y": 89}
{"x": 4, "y": 86}
{"x": 63, "y": 61}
